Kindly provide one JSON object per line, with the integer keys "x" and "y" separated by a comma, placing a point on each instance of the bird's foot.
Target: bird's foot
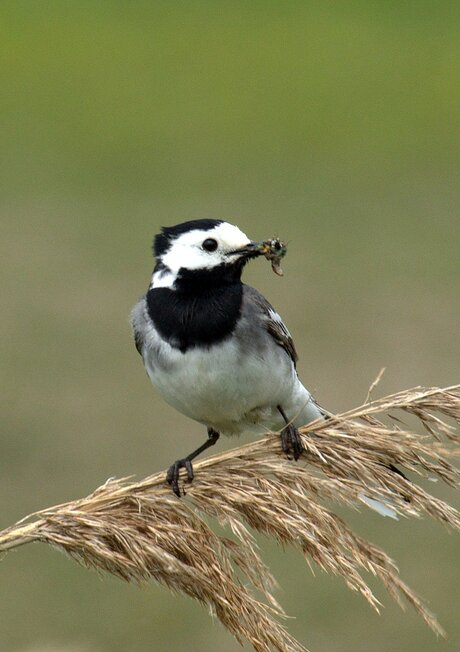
{"x": 291, "y": 441}
{"x": 172, "y": 476}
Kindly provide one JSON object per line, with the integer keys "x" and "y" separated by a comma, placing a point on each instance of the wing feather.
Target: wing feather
{"x": 272, "y": 322}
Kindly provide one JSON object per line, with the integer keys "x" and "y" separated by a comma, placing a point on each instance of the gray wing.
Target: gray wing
{"x": 138, "y": 323}
{"x": 138, "y": 340}
{"x": 270, "y": 319}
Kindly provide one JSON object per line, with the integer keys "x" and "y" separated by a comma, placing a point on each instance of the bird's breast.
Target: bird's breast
{"x": 200, "y": 317}
{"x": 218, "y": 385}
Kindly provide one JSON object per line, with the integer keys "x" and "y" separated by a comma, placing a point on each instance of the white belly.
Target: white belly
{"x": 223, "y": 388}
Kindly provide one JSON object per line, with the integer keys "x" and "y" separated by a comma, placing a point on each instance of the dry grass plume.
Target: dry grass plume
{"x": 140, "y": 530}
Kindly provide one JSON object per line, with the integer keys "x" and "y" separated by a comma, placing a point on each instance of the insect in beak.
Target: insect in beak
{"x": 273, "y": 250}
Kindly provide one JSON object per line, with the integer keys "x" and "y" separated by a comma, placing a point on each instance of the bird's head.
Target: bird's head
{"x": 203, "y": 251}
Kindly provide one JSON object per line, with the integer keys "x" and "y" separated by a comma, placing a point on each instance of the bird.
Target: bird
{"x": 213, "y": 347}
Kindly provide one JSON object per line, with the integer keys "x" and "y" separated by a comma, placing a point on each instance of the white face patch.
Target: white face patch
{"x": 163, "y": 278}
{"x": 187, "y": 251}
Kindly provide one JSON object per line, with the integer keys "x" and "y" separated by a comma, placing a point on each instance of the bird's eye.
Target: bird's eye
{"x": 209, "y": 244}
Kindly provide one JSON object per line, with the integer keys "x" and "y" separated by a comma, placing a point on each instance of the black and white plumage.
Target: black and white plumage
{"x": 213, "y": 347}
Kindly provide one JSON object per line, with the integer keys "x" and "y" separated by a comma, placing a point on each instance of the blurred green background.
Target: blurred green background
{"x": 333, "y": 125}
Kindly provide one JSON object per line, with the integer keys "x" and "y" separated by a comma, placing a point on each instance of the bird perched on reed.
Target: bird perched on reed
{"x": 213, "y": 347}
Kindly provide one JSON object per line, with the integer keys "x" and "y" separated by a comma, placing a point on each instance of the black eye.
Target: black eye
{"x": 209, "y": 244}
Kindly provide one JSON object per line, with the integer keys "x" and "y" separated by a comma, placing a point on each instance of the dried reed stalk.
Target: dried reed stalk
{"x": 140, "y": 530}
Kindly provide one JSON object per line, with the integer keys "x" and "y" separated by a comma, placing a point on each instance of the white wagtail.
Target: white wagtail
{"x": 213, "y": 347}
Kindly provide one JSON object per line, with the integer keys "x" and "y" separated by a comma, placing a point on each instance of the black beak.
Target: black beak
{"x": 251, "y": 250}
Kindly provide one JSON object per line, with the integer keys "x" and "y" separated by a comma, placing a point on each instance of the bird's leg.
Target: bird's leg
{"x": 291, "y": 440}
{"x": 172, "y": 476}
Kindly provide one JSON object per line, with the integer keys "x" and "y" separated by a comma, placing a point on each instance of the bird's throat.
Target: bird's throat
{"x": 198, "y": 312}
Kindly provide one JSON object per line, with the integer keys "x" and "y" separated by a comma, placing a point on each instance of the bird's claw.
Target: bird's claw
{"x": 172, "y": 476}
{"x": 291, "y": 441}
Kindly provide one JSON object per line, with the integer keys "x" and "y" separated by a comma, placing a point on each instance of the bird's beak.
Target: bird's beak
{"x": 250, "y": 250}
